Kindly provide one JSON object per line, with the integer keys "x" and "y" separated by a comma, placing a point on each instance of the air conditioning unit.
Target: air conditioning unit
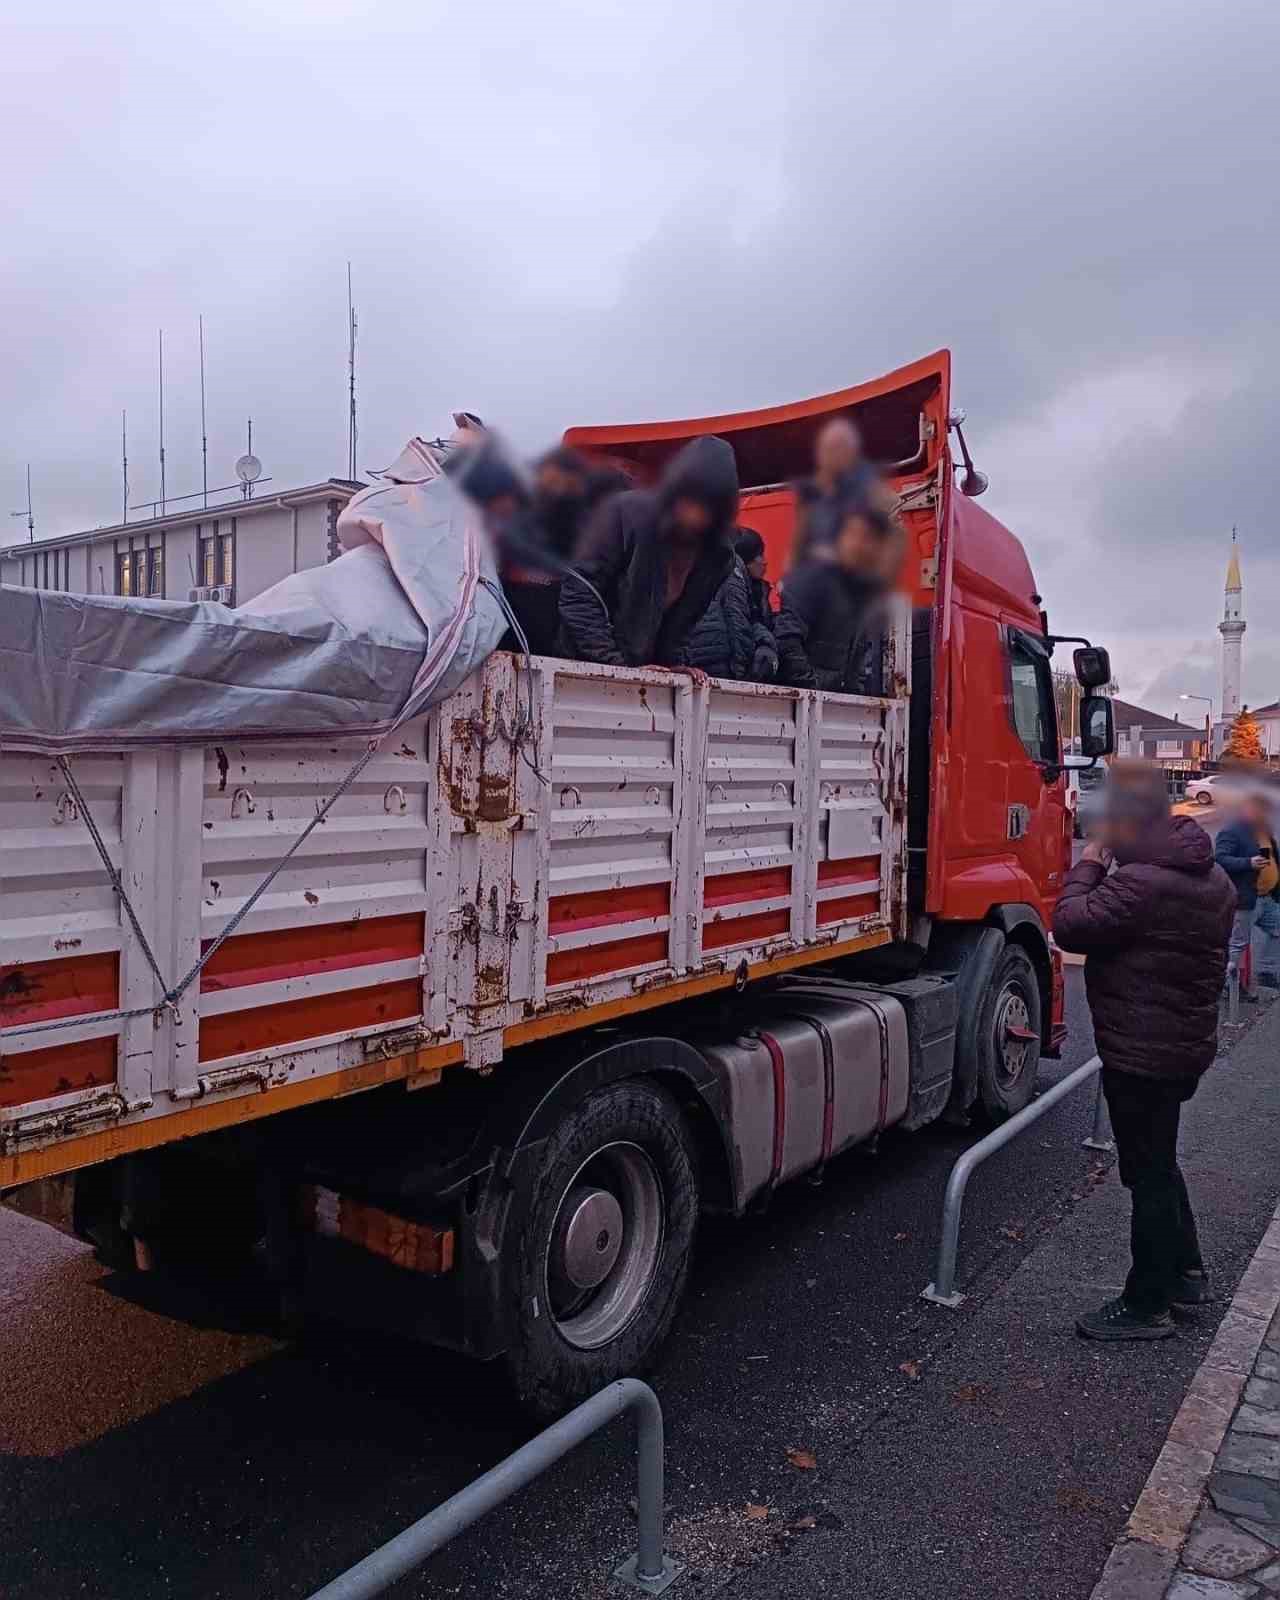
{"x": 220, "y": 593}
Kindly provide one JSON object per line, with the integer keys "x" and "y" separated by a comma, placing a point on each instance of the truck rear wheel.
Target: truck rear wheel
{"x": 602, "y": 1254}
{"x": 1008, "y": 1036}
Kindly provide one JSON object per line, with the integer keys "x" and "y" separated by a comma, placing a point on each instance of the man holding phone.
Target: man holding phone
{"x": 1246, "y": 851}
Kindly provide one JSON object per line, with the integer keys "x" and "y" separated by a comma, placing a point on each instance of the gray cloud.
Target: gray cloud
{"x": 592, "y": 212}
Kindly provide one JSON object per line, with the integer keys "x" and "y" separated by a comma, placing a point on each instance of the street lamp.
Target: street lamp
{"x": 1208, "y": 720}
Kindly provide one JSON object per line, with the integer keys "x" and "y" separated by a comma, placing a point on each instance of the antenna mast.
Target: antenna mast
{"x": 124, "y": 461}
{"x": 204, "y": 434}
{"x": 162, "y": 505}
{"x": 31, "y": 521}
{"x": 351, "y": 371}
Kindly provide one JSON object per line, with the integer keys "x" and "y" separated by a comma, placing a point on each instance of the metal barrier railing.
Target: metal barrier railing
{"x": 650, "y": 1569}
{"x": 942, "y": 1291}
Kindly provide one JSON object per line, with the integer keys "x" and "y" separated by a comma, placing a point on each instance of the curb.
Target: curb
{"x": 1143, "y": 1562}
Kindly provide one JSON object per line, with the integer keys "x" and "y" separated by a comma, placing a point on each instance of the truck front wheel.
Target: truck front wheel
{"x": 601, "y": 1255}
{"x": 1008, "y": 1036}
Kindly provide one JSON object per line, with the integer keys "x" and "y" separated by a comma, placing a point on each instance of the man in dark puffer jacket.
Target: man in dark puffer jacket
{"x": 1155, "y": 934}
{"x": 723, "y": 643}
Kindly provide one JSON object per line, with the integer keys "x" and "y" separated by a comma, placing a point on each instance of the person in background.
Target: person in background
{"x": 1246, "y": 851}
{"x": 487, "y": 475}
{"x": 1154, "y": 934}
{"x": 831, "y": 612}
{"x": 562, "y": 497}
{"x": 750, "y": 550}
{"x": 653, "y": 561}
{"x": 841, "y": 474}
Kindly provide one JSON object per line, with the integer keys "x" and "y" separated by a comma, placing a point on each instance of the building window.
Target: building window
{"x": 140, "y": 566}
{"x": 227, "y": 556}
{"x": 334, "y": 548}
{"x": 208, "y": 544}
{"x": 125, "y": 572}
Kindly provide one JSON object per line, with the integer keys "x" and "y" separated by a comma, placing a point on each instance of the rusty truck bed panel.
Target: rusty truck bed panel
{"x": 556, "y": 845}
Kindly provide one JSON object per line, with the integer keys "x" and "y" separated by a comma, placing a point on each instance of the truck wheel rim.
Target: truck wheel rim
{"x": 1013, "y": 1034}
{"x": 605, "y": 1246}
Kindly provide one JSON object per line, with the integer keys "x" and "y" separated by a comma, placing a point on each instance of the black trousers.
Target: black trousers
{"x": 1163, "y": 1240}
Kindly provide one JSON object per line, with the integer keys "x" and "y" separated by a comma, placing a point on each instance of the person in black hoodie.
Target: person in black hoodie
{"x": 653, "y": 562}
{"x": 831, "y": 614}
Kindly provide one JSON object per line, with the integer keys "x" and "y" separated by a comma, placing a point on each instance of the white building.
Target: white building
{"x": 229, "y": 552}
{"x": 1232, "y": 629}
{"x": 1268, "y": 720}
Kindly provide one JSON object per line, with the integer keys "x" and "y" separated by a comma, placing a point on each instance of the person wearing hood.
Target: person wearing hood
{"x": 1154, "y": 934}
{"x": 653, "y": 561}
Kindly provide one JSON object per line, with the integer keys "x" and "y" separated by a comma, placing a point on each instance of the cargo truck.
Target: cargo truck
{"x": 580, "y": 953}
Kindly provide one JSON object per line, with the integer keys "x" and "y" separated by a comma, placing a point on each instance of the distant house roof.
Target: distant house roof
{"x": 1272, "y": 709}
{"x": 1152, "y": 722}
{"x": 328, "y": 489}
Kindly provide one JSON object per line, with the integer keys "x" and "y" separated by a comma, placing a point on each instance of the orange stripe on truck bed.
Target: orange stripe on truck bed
{"x": 597, "y": 908}
{"x": 615, "y": 955}
{"x": 300, "y": 952}
{"x": 857, "y": 869}
{"x": 43, "y": 991}
{"x": 733, "y": 888}
{"x": 237, "y": 1033}
{"x": 63, "y": 1069}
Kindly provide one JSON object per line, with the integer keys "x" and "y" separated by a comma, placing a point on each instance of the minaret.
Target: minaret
{"x": 1232, "y": 629}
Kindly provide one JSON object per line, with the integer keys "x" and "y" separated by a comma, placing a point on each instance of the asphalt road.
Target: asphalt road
{"x": 154, "y": 1443}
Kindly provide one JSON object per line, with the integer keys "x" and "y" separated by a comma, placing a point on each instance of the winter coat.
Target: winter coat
{"x": 1155, "y": 933}
{"x": 1234, "y": 851}
{"x": 723, "y": 642}
{"x": 836, "y": 621}
{"x": 624, "y": 555}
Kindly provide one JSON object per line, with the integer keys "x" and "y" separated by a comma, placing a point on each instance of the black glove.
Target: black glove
{"x": 764, "y": 664}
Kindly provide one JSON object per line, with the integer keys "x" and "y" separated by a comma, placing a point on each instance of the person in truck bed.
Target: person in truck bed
{"x": 841, "y": 473}
{"x": 653, "y": 561}
{"x": 830, "y": 628}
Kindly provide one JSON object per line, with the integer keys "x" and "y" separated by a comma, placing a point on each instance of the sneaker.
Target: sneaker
{"x": 1193, "y": 1290}
{"x": 1116, "y": 1321}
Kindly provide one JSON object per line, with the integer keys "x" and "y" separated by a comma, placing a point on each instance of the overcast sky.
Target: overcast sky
{"x": 584, "y": 212}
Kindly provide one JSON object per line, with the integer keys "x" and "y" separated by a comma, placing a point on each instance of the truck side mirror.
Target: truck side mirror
{"x": 1097, "y": 726}
{"x": 1093, "y": 666}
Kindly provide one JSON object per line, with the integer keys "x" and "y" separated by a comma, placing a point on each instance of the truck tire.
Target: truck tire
{"x": 1008, "y": 1060}
{"x": 601, "y": 1255}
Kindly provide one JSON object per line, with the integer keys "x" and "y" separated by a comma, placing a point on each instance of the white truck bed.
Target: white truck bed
{"x": 549, "y": 848}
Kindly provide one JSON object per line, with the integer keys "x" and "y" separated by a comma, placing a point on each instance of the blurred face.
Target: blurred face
{"x": 1257, "y": 813}
{"x": 690, "y": 520}
{"x": 756, "y": 568}
{"x": 838, "y": 448}
{"x": 559, "y": 484}
{"x": 860, "y": 548}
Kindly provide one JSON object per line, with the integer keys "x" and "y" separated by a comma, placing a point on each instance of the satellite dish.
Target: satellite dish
{"x": 248, "y": 469}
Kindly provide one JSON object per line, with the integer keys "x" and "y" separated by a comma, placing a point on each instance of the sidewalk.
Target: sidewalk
{"x": 1012, "y": 1460}
{"x": 1207, "y": 1524}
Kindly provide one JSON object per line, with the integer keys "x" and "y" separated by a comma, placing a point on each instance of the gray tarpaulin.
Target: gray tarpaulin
{"x": 389, "y": 628}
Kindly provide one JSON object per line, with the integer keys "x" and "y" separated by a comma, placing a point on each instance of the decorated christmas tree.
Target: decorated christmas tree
{"x": 1244, "y": 742}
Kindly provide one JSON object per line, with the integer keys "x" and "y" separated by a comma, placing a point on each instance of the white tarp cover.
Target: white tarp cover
{"x": 389, "y": 628}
